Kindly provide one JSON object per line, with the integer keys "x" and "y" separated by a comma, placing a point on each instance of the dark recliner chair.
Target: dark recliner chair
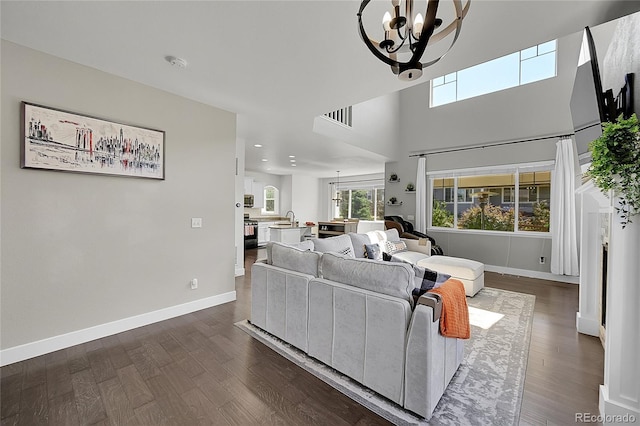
{"x": 405, "y": 229}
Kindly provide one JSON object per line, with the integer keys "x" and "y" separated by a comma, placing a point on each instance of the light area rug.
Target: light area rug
{"x": 487, "y": 388}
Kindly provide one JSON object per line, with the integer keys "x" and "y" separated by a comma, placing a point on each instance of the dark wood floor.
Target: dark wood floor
{"x": 200, "y": 369}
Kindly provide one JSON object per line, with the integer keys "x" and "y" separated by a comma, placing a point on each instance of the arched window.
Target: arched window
{"x": 271, "y": 199}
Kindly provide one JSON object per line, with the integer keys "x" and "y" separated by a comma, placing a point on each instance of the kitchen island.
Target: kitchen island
{"x": 287, "y": 233}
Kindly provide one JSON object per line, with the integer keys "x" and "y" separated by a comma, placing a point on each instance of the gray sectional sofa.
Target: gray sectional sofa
{"x": 359, "y": 317}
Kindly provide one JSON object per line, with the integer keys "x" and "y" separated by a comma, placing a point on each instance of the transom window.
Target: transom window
{"x": 526, "y": 66}
{"x": 492, "y": 200}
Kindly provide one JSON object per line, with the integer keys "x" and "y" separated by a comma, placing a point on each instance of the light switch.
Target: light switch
{"x": 196, "y": 222}
{"x": 410, "y": 217}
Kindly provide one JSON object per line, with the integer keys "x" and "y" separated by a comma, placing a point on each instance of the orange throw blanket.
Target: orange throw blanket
{"x": 454, "y": 320}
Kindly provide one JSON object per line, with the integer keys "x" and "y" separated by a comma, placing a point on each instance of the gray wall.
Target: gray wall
{"x": 82, "y": 250}
{"x": 623, "y": 56}
{"x": 526, "y": 112}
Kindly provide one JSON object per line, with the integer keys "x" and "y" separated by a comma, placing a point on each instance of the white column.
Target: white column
{"x": 620, "y": 393}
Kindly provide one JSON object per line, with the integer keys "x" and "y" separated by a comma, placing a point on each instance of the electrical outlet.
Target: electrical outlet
{"x": 194, "y": 284}
{"x": 543, "y": 260}
{"x": 196, "y": 222}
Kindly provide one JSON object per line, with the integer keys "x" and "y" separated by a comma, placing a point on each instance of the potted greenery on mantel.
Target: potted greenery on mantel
{"x": 615, "y": 165}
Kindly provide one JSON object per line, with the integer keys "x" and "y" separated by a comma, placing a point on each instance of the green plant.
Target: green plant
{"x": 440, "y": 216}
{"x": 494, "y": 218}
{"x": 615, "y": 164}
{"x": 410, "y": 187}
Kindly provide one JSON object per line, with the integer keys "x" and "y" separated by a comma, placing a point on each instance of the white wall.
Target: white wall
{"x": 82, "y": 250}
{"x": 375, "y": 124}
{"x": 305, "y": 198}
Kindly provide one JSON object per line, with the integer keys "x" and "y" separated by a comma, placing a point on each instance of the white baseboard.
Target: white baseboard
{"x": 614, "y": 413}
{"x": 586, "y": 325}
{"x": 239, "y": 272}
{"x": 532, "y": 274}
{"x": 51, "y": 344}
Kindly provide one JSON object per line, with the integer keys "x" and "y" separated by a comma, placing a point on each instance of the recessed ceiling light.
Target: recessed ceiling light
{"x": 264, "y": 159}
{"x": 294, "y": 165}
{"x": 258, "y": 145}
{"x": 293, "y": 161}
{"x": 176, "y": 62}
{"x": 292, "y": 156}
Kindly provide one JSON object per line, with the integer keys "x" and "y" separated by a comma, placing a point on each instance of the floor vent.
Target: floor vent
{"x": 342, "y": 116}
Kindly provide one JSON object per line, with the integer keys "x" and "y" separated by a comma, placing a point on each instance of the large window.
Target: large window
{"x": 493, "y": 200}
{"x": 526, "y": 66}
{"x": 359, "y": 201}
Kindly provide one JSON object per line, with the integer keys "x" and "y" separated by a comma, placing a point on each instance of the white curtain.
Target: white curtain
{"x": 564, "y": 241}
{"x": 421, "y": 195}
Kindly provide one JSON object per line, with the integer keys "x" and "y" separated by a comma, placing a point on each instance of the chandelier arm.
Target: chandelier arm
{"x": 453, "y": 25}
{"x": 427, "y": 32}
{"x": 369, "y": 42}
{"x": 458, "y": 27}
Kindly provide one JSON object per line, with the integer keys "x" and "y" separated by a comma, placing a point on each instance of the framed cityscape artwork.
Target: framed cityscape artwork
{"x": 60, "y": 140}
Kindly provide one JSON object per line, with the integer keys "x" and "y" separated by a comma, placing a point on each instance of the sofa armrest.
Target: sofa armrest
{"x": 261, "y": 260}
{"x": 421, "y": 245}
{"x": 434, "y": 301}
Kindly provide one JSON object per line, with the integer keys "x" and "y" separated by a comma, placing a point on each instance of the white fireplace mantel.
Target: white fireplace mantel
{"x": 595, "y": 216}
{"x": 620, "y": 392}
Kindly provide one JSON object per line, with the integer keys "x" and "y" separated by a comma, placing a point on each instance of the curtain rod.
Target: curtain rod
{"x": 357, "y": 181}
{"x": 496, "y": 144}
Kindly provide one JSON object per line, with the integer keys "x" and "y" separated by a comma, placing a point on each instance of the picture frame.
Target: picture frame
{"x": 55, "y": 139}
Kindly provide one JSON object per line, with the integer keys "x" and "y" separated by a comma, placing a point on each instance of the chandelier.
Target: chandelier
{"x": 338, "y": 198}
{"x": 407, "y": 37}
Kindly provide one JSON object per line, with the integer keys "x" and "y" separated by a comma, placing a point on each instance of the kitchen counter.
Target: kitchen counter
{"x": 285, "y": 226}
{"x": 287, "y": 233}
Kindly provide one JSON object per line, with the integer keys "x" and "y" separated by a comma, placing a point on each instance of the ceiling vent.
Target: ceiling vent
{"x": 342, "y": 116}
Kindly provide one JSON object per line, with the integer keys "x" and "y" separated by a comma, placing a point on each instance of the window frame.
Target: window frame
{"x": 514, "y": 169}
{"x": 452, "y": 79}
{"x": 349, "y": 187}
{"x": 276, "y": 200}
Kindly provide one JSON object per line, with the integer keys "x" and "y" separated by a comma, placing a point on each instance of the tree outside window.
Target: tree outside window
{"x": 361, "y": 203}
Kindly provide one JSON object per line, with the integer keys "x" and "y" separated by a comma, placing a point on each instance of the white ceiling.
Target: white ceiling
{"x": 278, "y": 64}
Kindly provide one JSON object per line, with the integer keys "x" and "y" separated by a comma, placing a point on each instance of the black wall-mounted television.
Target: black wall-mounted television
{"x": 591, "y": 105}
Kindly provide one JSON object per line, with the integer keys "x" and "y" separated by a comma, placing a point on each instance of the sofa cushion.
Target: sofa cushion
{"x": 393, "y": 279}
{"x": 358, "y": 241}
{"x": 412, "y": 257}
{"x": 392, "y": 234}
{"x": 339, "y": 244}
{"x": 303, "y": 245}
{"x": 295, "y": 259}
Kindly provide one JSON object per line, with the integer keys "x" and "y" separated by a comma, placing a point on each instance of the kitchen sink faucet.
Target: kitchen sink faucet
{"x": 293, "y": 217}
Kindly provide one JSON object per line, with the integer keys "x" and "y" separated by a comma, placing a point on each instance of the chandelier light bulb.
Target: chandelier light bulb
{"x": 418, "y": 22}
{"x": 385, "y": 21}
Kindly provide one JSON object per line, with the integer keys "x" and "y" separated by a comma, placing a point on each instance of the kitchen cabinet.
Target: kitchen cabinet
{"x": 331, "y": 229}
{"x": 256, "y": 189}
{"x": 287, "y": 234}
{"x": 264, "y": 233}
{"x": 258, "y": 194}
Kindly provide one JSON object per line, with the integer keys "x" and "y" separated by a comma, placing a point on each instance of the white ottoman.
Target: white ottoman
{"x": 470, "y": 272}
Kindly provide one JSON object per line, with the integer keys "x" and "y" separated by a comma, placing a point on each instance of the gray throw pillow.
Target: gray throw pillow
{"x": 372, "y": 251}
